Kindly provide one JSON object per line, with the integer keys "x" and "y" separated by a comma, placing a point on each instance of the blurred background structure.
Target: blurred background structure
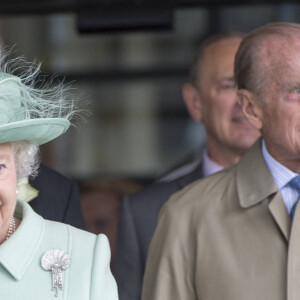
{"x": 128, "y": 64}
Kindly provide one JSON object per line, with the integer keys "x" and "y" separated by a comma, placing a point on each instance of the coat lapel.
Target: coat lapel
{"x": 17, "y": 253}
{"x": 256, "y": 185}
{"x": 280, "y": 214}
{"x": 293, "y": 269}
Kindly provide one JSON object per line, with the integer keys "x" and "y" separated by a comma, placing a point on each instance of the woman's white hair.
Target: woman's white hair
{"x": 27, "y": 158}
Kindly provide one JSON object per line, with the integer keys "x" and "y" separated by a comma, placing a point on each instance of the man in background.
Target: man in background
{"x": 210, "y": 96}
{"x": 53, "y": 196}
{"x": 235, "y": 235}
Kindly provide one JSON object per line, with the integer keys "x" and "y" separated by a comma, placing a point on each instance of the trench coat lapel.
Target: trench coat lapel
{"x": 257, "y": 185}
{"x": 280, "y": 214}
{"x": 294, "y": 258}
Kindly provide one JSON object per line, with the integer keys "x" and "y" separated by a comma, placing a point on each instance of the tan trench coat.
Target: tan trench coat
{"x": 226, "y": 237}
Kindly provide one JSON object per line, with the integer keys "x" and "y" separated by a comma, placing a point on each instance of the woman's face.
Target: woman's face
{"x": 8, "y": 185}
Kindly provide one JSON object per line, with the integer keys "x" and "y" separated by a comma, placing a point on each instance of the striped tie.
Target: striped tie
{"x": 294, "y": 184}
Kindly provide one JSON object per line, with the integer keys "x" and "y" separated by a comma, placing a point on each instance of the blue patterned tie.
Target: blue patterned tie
{"x": 294, "y": 184}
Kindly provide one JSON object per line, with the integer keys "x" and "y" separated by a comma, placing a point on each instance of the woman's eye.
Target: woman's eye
{"x": 2, "y": 167}
{"x": 3, "y": 171}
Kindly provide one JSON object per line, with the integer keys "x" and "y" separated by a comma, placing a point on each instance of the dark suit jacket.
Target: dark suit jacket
{"x": 139, "y": 215}
{"x": 58, "y": 198}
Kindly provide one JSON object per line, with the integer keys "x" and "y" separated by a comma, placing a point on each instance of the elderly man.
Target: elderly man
{"x": 236, "y": 235}
{"x": 210, "y": 97}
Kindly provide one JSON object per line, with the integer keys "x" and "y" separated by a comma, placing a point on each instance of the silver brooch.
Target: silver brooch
{"x": 56, "y": 260}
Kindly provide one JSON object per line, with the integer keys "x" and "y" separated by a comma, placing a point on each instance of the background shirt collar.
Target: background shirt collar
{"x": 209, "y": 166}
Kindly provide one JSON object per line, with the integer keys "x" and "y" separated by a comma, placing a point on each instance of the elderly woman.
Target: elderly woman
{"x": 41, "y": 259}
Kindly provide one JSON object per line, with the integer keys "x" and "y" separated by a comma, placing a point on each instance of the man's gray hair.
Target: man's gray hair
{"x": 27, "y": 158}
{"x": 252, "y": 65}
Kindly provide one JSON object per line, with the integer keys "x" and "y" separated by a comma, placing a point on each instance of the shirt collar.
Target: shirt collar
{"x": 209, "y": 166}
{"x": 18, "y": 251}
{"x": 279, "y": 172}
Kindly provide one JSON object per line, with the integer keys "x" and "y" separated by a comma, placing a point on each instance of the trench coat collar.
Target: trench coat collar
{"x": 254, "y": 180}
{"x": 256, "y": 184}
{"x": 17, "y": 252}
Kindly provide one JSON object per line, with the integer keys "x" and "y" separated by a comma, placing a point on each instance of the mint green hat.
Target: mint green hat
{"x": 30, "y": 114}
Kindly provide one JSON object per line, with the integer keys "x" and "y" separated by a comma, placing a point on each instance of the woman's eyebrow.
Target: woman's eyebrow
{"x": 4, "y": 156}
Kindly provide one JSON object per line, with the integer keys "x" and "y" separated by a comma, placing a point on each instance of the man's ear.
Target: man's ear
{"x": 192, "y": 101}
{"x": 251, "y": 108}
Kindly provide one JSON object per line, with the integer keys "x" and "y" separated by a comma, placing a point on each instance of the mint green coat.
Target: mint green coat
{"x": 21, "y": 274}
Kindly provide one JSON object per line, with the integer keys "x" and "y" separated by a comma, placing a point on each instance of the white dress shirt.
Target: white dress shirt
{"x": 209, "y": 166}
{"x": 281, "y": 176}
